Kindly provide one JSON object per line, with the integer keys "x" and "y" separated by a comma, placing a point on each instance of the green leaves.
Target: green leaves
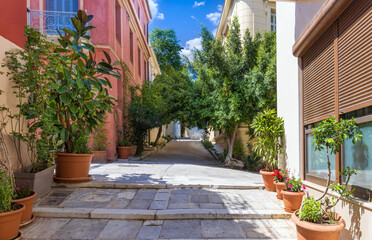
{"x": 64, "y": 134}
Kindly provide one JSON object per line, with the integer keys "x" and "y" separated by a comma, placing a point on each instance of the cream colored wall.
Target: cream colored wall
{"x": 7, "y": 99}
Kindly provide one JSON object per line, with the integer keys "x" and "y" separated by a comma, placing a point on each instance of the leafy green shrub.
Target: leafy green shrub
{"x": 124, "y": 143}
{"x": 208, "y": 144}
{"x": 294, "y": 184}
{"x": 81, "y": 145}
{"x": 22, "y": 191}
{"x": 238, "y": 151}
{"x": 100, "y": 138}
{"x": 6, "y": 191}
{"x": 311, "y": 210}
{"x": 269, "y": 131}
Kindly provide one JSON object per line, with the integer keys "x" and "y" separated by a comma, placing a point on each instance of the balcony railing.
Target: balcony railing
{"x": 48, "y": 22}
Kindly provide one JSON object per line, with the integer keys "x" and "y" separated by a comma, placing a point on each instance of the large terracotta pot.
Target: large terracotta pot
{"x": 292, "y": 200}
{"x": 9, "y": 223}
{"x": 268, "y": 179}
{"x": 313, "y": 231}
{"x": 124, "y": 152}
{"x": 279, "y": 187}
{"x": 72, "y": 168}
{"x": 99, "y": 156}
{"x": 28, "y": 202}
{"x": 133, "y": 150}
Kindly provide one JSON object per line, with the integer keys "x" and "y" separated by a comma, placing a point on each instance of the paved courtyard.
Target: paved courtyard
{"x": 179, "y": 192}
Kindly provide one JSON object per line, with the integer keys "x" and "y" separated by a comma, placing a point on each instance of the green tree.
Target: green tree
{"x": 167, "y": 48}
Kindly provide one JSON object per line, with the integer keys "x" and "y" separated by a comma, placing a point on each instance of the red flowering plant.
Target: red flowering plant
{"x": 280, "y": 175}
{"x": 294, "y": 184}
{"x": 22, "y": 191}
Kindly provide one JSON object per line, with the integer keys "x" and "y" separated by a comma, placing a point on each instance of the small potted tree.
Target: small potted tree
{"x": 78, "y": 97}
{"x": 269, "y": 132}
{"x": 10, "y": 214}
{"x": 100, "y": 143}
{"x": 280, "y": 178}
{"x": 293, "y": 194}
{"x": 317, "y": 219}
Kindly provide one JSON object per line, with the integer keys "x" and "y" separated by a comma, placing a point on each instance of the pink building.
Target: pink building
{"x": 121, "y": 30}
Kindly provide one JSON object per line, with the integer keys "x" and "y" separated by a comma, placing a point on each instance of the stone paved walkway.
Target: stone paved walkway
{"x": 179, "y": 163}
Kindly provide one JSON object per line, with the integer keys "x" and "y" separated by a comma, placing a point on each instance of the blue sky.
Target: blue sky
{"x": 186, "y": 17}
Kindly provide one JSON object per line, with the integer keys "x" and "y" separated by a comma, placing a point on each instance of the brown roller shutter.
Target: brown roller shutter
{"x": 355, "y": 56}
{"x": 318, "y": 78}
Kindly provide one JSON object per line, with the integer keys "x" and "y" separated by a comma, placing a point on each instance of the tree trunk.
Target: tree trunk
{"x": 159, "y": 135}
{"x": 230, "y": 143}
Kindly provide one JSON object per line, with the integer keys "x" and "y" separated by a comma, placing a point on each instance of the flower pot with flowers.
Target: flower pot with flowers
{"x": 100, "y": 143}
{"x": 269, "y": 133}
{"x": 316, "y": 219}
{"x": 280, "y": 178}
{"x": 78, "y": 97}
{"x": 22, "y": 194}
{"x": 293, "y": 194}
{"x": 10, "y": 213}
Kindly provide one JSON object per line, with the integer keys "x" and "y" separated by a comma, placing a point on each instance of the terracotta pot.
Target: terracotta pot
{"x": 9, "y": 223}
{"x": 124, "y": 152}
{"x": 279, "y": 187}
{"x": 314, "y": 231}
{"x": 268, "y": 179}
{"x": 292, "y": 200}
{"x": 133, "y": 150}
{"x": 28, "y": 202}
{"x": 99, "y": 156}
{"x": 71, "y": 167}
{"x": 40, "y": 182}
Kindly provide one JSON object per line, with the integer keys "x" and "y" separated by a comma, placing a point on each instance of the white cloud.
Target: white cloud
{"x": 220, "y": 7}
{"x": 160, "y": 16}
{"x": 198, "y": 4}
{"x": 153, "y": 7}
{"x": 193, "y": 17}
{"x": 191, "y": 45}
{"x": 214, "y": 17}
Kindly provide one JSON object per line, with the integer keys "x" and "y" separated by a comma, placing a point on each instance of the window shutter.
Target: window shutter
{"x": 355, "y": 56}
{"x": 318, "y": 78}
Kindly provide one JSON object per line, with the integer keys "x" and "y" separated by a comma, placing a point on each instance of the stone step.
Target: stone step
{"x": 167, "y": 214}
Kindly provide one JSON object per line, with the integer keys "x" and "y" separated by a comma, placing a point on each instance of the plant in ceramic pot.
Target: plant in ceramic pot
{"x": 22, "y": 194}
{"x": 280, "y": 178}
{"x": 124, "y": 149}
{"x": 293, "y": 194}
{"x": 78, "y": 97}
{"x": 100, "y": 143}
{"x": 316, "y": 219}
{"x": 10, "y": 214}
{"x": 269, "y": 133}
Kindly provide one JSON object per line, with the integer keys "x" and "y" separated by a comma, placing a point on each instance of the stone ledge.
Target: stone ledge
{"x": 168, "y": 214}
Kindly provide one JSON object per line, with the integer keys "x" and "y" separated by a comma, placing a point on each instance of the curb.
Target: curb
{"x": 169, "y": 214}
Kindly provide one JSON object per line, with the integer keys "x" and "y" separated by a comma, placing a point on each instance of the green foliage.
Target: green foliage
{"x": 311, "y": 210}
{"x": 269, "y": 131}
{"x": 294, "y": 184}
{"x": 167, "y": 48}
{"x": 100, "y": 138}
{"x": 167, "y": 138}
{"x": 124, "y": 143}
{"x": 207, "y": 144}
{"x": 238, "y": 151}
{"x": 22, "y": 191}
{"x": 6, "y": 190}
{"x": 80, "y": 143}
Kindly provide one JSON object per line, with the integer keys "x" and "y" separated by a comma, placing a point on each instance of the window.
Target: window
{"x": 59, "y": 14}
{"x": 131, "y": 45}
{"x": 118, "y": 21}
{"x": 273, "y": 21}
{"x": 139, "y": 62}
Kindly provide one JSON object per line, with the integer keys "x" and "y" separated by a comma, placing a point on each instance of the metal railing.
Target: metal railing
{"x": 48, "y": 22}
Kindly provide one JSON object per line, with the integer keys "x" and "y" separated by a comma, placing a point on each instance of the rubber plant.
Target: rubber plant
{"x": 328, "y": 136}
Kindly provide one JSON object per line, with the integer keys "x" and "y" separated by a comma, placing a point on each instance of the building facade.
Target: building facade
{"x": 324, "y": 69}
{"x": 256, "y": 15}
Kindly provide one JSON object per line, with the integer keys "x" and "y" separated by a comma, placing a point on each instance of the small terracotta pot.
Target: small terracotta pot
{"x": 70, "y": 167}
{"x": 279, "y": 187}
{"x": 133, "y": 150}
{"x": 124, "y": 152}
{"x": 99, "y": 156}
{"x": 314, "y": 231}
{"x": 28, "y": 202}
{"x": 268, "y": 180}
{"x": 292, "y": 200}
{"x": 9, "y": 223}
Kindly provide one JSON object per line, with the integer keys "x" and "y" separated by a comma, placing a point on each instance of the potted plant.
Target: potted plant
{"x": 269, "y": 133}
{"x": 27, "y": 126}
{"x": 293, "y": 194}
{"x": 317, "y": 219}
{"x": 124, "y": 149}
{"x": 280, "y": 178}
{"x": 10, "y": 214}
{"x": 22, "y": 194}
{"x": 78, "y": 97}
{"x": 100, "y": 144}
